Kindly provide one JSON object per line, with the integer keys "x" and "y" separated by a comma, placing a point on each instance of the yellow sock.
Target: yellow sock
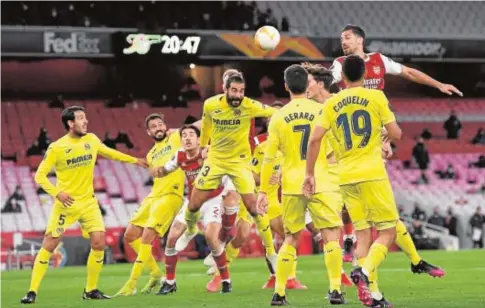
{"x": 405, "y": 242}
{"x": 262, "y": 223}
{"x": 231, "y": 254}
{"x": 373, "y": 286}
{"x": 293, "y": 269}
{"x": 95, "y": 264}
{"x": 377, "y": 254}
{"x": 191, "y": 219}
{"x": 284, "y": 265}
{"x": 41, "y": 265}
{"x": 140, "y": 262}
{"x": 151, "y": 263}
{"x": 334, "y": 263}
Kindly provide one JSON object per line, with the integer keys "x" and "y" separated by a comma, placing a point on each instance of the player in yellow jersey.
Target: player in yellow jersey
{"x": 289, "y": 131}
{"x": 226, "y": 123}
{"x": 158, "y": 209}
{"x": 73, "y": 157}
{"x": 244, "y": 220}
{"x": 356, "y": 116}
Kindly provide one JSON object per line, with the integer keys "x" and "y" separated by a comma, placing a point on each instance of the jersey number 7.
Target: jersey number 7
{"x": 359, "y": 123}
{"x": 305, "y": 130}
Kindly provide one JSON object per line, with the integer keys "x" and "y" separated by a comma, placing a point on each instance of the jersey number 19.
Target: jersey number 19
{"x": 360, "y": 124}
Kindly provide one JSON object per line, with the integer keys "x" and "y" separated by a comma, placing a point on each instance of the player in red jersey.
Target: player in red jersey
{"x": 377, "y": 66}
{"x": 189, "y": 159}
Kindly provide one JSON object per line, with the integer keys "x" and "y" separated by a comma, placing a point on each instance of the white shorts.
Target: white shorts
{"x": 308, "y": 218}
{"x": 211, "y": 211}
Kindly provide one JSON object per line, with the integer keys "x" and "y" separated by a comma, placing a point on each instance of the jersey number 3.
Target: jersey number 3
{"x": 360, "y": 125}
{"x": 305, "y": 130}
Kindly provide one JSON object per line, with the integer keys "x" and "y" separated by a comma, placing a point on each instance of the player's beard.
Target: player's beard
{"x": 233, "y": 101}
{"x": 79, "y": 132}
{"x": 158, "y": 139}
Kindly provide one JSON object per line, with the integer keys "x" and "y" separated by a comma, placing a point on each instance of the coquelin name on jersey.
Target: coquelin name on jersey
{"x": 354, "y": 100}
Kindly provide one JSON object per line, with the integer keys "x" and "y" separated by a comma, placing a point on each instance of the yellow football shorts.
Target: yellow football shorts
{"x": 324, "y": 210}
{"x": 157, "y": 212}
{"x": 274, "y": 210}
{"x": 370, "y": 203}
{"x": 211, "y": 174}
{"x": 86, "y": 212}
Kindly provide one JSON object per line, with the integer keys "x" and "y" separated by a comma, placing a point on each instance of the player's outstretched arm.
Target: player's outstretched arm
{"x": 205, "y": 126}
{"x": 260, "y": 110}
{"x": 109, "y": 153}
{"x": 417, "y": 76}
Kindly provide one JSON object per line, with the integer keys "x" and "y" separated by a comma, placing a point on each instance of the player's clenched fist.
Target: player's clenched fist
{"x": 142, "y": 163}
{"x": 262, "y": 203}
{"x": 204, "y": 152}
{"x": 308, "y": 186}
{"x": 65, "y": 198}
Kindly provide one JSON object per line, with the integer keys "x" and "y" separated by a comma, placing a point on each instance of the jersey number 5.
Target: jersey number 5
{"x": 305, "y": 130}
{"x": 359, "y": 123}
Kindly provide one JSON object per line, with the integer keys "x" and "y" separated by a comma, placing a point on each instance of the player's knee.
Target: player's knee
{"x": 331, "y": 234}
{"x": 98, "y": 243}
{"x": 148, "y": 235}
{"x": 231, "y": 200}
{"x": 50, "y": 243}
{"x": 212, "y": 240}
{"x": 292, "y": 239}
{"x": 131, "y": 234}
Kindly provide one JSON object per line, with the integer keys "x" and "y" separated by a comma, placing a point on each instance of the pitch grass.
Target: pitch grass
{"x": 463, "y": 285}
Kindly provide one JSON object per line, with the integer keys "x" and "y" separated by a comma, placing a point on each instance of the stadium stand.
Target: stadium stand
{"x": 437, "y": 19}
{"x": 120, "y": 187}
{"x": 227, "y": 15}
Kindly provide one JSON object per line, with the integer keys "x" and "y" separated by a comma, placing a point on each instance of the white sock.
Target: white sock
{"x": 170, "y": 282}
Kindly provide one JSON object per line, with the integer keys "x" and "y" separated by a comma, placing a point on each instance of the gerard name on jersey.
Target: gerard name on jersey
{"x": 299, "y": 116}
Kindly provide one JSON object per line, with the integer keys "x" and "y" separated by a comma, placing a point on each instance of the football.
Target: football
{"x": 267, "y": 37}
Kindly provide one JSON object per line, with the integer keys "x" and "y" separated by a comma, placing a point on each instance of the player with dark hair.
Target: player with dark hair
{"x": 376, "y": 67}
{"x": 289, "y": 131}
{"x": 73, "y": 157}
{"x": 226, "y": 123}
{"x": 356, "y": 116}
{"x": 189, "y": 159}
{"x": 157, "y": 211}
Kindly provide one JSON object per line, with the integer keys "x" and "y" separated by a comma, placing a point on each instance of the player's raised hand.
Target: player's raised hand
{"x": 308, "y": 186}
{"x": 156, "y": 172}
{"x": 65, "y": 199}
{"x": 262, "y": 203}
{"x": 204, "y": 152}
{"x": 449, "y": 89}
{"x": 142, "y": 163}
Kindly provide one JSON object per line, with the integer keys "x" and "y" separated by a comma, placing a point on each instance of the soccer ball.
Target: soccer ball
{"x": 267, "y": 37}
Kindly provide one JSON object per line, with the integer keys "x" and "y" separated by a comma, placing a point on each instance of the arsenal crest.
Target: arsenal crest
{"x": 87, "y": 146}
{"x": 237, "y": 112}
{"x": 377, "y": 70}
